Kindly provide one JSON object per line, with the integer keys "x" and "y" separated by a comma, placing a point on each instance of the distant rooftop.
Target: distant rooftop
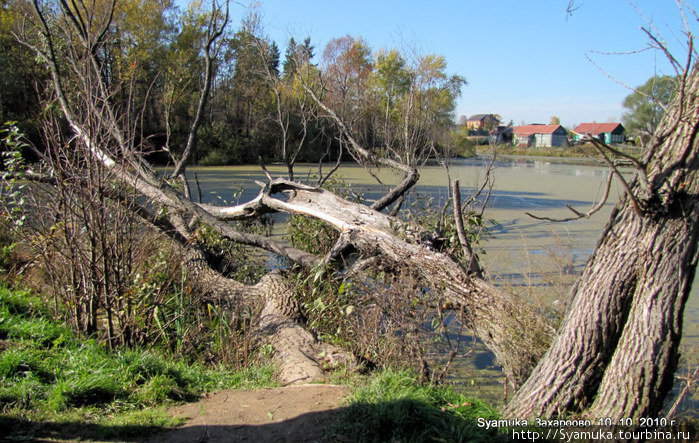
{"x": 596, "y": 128}
{"x": 536, "y": 129}
{"x": 479, "y": 117}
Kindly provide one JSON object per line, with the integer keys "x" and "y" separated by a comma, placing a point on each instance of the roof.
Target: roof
{"x": 536, "y": 129}
{"x": 596, "y": 128}
{"x": 479, "y": 117}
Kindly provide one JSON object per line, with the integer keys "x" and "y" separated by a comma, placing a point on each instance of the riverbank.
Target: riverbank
{"x": 584, "y": 151}
{"x": 57, "y": 385}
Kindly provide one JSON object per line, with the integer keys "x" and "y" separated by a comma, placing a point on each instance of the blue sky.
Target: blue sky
{"x": 525, "y": 60}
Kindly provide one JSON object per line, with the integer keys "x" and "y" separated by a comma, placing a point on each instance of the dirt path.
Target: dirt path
{"x": 291, "y": 414}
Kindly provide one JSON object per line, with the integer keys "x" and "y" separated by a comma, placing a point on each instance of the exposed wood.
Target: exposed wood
{"x": 616, "y": 350}
{"x": 412, "y": 175}
{"x": 516, "y": 334}
{"x": 177, "y": 216}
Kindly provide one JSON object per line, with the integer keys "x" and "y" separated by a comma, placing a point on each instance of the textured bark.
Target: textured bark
{"x": 616, "y": 351}
{"x": 300, "y": 357}
{"x": 157, "y": 202}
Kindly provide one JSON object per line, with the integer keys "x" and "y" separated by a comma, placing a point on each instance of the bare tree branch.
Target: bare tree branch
{"x": 578, "y": 214}
{"x": 677, "y": 66}
{"x": 624, "y": 184}
{"x": 473, "y": 265}
{"x": 214, "y": 31}
{"x": 412, "y": 174}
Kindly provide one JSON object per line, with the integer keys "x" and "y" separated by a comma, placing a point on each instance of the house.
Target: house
{"x": 540, "y": 136}
{"x": 482, "y": 122}
{"x": 607, "y": 132}
{"x": 500, "y": 135}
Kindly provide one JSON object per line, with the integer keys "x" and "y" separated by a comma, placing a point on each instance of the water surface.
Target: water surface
{"x": 519, "y": 250}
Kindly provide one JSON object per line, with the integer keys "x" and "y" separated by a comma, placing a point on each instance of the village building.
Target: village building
{"x": 500, "y": 135}
{"x": 607, "y": 132}
{"x": 540, "y": 136}
{"x": 482, "y": 122}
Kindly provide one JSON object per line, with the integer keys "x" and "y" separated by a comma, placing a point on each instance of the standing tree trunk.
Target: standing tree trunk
{"x": 616, "y": 351}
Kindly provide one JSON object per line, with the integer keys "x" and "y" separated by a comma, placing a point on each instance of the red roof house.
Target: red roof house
{"x": 607, "y": 132}
{"x": 540, "y": 135}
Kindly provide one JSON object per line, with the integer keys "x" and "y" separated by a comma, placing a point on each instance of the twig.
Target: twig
{"x": 663, "y": 47}
{"x": 571, "y": 8}
{"x": 690, "y": 380}
{"x": 634, "y": 202}
{"x": 578, "y": 214}
{"x": 323, "y": 178}
{"x": 639, "y": 165}
{"x": 199, "y": 193}
{"x": 486, "y": 183}
{"x": 619, "y": 82}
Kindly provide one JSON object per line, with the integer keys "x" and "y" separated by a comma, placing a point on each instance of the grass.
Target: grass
{"x": 49, "y": 375}
{"x": 394, "y": 406}
{"x": 585, "y": 150}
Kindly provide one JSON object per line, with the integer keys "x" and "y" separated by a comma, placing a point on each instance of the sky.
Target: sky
{"x": 524, "y": 60}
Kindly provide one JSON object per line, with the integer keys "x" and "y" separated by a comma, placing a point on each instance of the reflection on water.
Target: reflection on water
{"x": 517, "y": 243}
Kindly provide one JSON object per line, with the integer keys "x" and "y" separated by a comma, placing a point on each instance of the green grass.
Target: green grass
{"x": 49, "y": 375}
{"x": 585, "y": 151}
{"x": 394, "y": 406}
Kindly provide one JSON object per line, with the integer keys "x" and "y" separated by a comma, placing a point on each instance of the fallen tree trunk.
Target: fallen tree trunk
{"x": 617, "y": 348}
{"x": 301, "y": 358}
{"x": 511, "y": 329}
{"x": 516, "y": 335}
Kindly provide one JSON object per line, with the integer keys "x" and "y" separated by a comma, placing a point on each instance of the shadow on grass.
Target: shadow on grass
{"x": 399, "y": 420}
{"x": 22, "y": 429}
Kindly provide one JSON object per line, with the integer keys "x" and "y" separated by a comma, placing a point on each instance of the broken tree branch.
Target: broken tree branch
{"x": 472, "y": 266}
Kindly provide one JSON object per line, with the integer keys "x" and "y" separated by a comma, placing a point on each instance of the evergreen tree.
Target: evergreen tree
{"x": 289, "y": 66}
{"x": 305, "y": 51}
{"x": 297, "y": 54}
{"x": 274, "y": 58}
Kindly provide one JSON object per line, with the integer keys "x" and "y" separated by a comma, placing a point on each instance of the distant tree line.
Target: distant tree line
{"x": 258, "y": 104}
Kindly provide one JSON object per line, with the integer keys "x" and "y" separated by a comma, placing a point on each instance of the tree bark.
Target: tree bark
{"x": 214, "y": 31}
{"x": 616, "y": 351}
{"x": 617, "y": 347}
{"x": 301, "y": 358}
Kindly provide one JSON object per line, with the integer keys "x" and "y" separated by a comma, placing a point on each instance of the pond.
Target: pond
{"x": 518, "y": 251}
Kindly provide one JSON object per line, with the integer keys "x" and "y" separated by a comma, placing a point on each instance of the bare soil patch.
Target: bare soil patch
{"x": 292, "y": 414}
